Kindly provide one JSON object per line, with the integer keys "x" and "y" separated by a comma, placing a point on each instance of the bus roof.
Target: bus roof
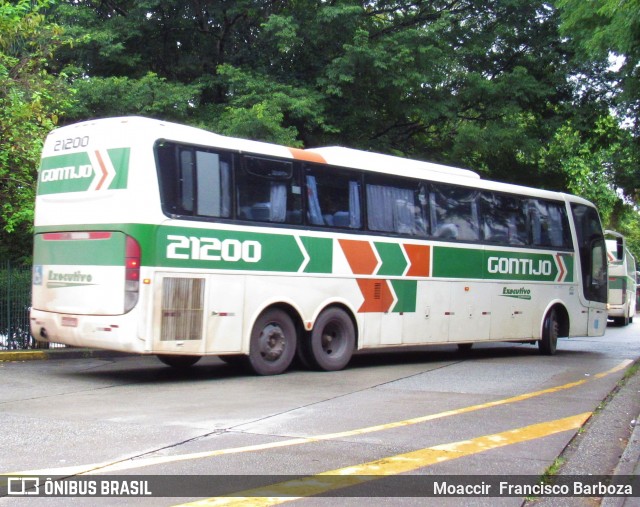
{"x": 359, "y": 159}
{"x": 138, "y": 127}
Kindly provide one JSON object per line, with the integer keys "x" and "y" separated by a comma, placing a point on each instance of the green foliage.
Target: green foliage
{"x": 31, "y": 102}
{"x": 519, "y": 90}
{"x": 261, "y": 108}
{"x": 587, "y": 167}
{"x": 149, "y": 95}
{"x": 626, "y": 221}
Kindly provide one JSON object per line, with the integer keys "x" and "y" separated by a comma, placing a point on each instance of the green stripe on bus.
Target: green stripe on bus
{"x": 407, "y": 294}
{"x": 616, "y": 282}
{"x": 65, "y": 173}
{"x": 450, "y": 262}
{"x": 394, "y": 263}
{"x": 189, "y": 247}
{"x": 457, "y": 263}
{"x": 79, "y": 252}
{"x": 78, "y": 172}
{"x": 320, "y": 252}
{"x": 181, "y": 247}
{"x": 120, "y": 160}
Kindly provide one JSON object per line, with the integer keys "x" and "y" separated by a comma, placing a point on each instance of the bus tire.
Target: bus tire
{"x": 273, "y": 343}
{"x": 176, "y": 361}
{"x": 550, "y": 328}
{"x": 621, "y": 321}
{"x": 332, "y": 340}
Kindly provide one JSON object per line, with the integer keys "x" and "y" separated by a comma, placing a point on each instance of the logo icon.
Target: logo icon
{"x": 24, "y": 486}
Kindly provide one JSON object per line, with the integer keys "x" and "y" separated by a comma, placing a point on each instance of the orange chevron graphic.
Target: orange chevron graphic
{"x": 360, "y": 256}
{"x": 378, "y": 297}
{"x": 105, "y": 173}
{"x": 419, "y": 260}
{"x": 562, "y": 271}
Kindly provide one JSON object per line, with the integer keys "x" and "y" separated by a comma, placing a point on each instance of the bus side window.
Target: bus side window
{"x": 396, "y": 205}
{"x": 333, "y": 199}
{"x": 193, "y": 182}
{"x": 186, "y": 181}
{"x": 213, "y": 190}
{"x": 549, "y": 224}
{"x": 504, "y": 219}
{"x": 166, "y": 165}
{"x": 454, "y": 213}
{"x": 268, "y": 191}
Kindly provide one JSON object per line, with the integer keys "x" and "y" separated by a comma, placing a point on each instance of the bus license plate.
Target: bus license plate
{"x": 69, "y": 321}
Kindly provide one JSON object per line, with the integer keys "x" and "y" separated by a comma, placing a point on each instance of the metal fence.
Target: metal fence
{"x": 15, "y": 302}
{"x": 15, "y": 298}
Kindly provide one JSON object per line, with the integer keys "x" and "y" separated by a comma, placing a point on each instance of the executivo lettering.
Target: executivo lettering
{"x": 520, "y": 293}
{"x": 56, "y": 279}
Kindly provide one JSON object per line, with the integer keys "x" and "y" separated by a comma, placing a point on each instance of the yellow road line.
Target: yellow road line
{"x": 108, "y": 467}
{"x": 401, "y": 463}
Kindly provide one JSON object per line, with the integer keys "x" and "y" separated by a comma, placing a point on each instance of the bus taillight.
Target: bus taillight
{"x": 132, "y": 273}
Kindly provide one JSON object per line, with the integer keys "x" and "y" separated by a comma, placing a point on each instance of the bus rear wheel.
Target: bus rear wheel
{"x": 176, "y": 361}
{"x": 273, "y": 343}
{"x": 330, "y": 345}
{"x": 550, "y": 330}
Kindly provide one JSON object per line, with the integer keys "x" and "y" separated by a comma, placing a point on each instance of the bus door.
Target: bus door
{"x": 593, "y": 266}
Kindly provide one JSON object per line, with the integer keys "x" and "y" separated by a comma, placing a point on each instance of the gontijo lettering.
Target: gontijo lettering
{"x": 67, "y": 173}
{"x": 509, "y": 265}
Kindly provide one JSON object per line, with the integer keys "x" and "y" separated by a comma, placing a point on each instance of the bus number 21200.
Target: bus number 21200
{"x": 213, "y": 249}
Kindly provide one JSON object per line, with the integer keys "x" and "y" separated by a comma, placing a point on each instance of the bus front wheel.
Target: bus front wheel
{"x": 330, "y": 345}
{"x": 550, "y": 330}
{"x": 273, "y": 343}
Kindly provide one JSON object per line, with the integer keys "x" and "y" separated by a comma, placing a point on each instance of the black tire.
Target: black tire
{"x": 273, "y": 343}
{"x": 330, "y": 345}
{"x": 621, "y": 321}
{"x": 550, "y": 327}
{"x": 180, "y": 362}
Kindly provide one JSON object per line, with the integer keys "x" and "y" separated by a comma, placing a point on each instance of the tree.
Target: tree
{"x": 606, "y": 34}
{"x": 491, "y": 85}
{"x": 31, "y": 101}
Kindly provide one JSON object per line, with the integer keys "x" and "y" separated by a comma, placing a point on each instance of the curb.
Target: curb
{"x": 607, "y": 444}
{"x": 629, "y": 464}
{"x": 63, "y": 353}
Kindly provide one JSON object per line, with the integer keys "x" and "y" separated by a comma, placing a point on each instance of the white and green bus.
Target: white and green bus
{"x": 622, "y": 279}
{"x": 157, "y": 238}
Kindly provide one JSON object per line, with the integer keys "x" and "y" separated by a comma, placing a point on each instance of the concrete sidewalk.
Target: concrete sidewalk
{"x": 608, "y": 444}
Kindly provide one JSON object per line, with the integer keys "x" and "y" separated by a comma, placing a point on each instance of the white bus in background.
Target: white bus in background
{"x": 622, "y": 279}
{"x": 157, "y": 238}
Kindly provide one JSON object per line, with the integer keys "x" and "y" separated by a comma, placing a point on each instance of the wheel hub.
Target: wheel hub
{"x": 272, "y": 342}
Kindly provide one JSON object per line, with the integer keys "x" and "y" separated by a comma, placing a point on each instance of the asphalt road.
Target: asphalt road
{"x": 416, "y": 416}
